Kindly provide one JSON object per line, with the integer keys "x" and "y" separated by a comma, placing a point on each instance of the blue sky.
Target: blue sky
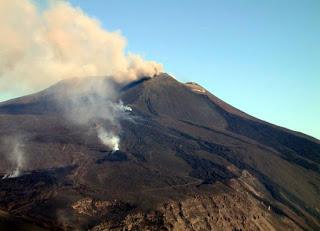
{"x": 262, "y": 57}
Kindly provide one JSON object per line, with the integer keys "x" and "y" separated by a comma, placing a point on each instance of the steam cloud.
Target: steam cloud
{"x": 95, "y": 101}
{"x": 42, "y": 47}
{"x": 109, "y": 139}
{"x": 15, "y": 155}
{"x": 39, "y": 48}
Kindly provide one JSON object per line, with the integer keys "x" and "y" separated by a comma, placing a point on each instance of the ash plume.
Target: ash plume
{"x": 41, "y": 47}
{"x": 15, "y": 155}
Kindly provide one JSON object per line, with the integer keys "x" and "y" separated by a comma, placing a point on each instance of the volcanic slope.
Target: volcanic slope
{"x": 187, "y": 161}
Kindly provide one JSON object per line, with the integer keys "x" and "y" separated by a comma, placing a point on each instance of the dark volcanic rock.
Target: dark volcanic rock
{"x": 113, "y": 156}
{"x": 188, "y": 161}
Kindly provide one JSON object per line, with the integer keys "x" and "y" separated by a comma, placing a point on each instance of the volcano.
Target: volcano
{"x": 187, "y": 161}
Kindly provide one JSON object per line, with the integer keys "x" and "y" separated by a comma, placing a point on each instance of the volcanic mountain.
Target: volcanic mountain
{"x": 187, "y": 161}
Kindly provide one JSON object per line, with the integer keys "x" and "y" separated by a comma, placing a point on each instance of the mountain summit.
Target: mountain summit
{"x": 186, "y": 161}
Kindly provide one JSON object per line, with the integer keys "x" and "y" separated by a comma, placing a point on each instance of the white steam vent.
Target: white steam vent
{"x": 17, "y": 158}
{"x": 109, "y": 139}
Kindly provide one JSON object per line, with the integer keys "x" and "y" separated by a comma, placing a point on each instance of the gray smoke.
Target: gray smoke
{"x": 109, "y": 139}
{"x": 15, "y": 155}
{"x": 95, "y": 101}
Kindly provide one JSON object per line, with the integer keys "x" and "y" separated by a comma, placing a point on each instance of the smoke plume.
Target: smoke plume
{"x": 15, "y": 156}
{"x": 94, "y": 102}
{"x": 41, "y": 47}
{"x": 109, "y": 139}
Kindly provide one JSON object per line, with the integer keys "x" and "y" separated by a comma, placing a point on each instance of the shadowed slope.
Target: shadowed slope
{"x": 183, "y": 149}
